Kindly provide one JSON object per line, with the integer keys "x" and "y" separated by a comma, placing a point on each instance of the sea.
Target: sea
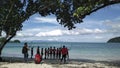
{"x": 77, "y": 50}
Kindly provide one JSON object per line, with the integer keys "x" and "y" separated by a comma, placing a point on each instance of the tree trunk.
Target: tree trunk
{"x": 3, "y": 44}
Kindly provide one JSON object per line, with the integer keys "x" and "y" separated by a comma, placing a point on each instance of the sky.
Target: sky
{"x": 100, "y": 26}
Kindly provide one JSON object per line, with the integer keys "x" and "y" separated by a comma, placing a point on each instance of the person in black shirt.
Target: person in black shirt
{"x": 31, "y": 52}
{"x": 25, "y": 52}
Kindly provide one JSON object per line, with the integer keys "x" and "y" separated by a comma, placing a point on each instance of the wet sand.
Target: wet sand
{"x": 14, "y": 62}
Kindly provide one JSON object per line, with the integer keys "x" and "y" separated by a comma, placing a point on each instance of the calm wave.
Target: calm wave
{"x": 94, "y": 51}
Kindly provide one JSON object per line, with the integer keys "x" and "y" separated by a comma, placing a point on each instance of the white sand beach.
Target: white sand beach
{"x": 15, "y": 63}
{"x": 44, "y": 65}
{"x": 24, "y": 65}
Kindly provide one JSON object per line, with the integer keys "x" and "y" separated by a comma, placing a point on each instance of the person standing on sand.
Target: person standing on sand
{"x": 54, "y": 52}
{"x": 50, "y": 52}
{"x": 64, "y": 52}
{"x": 25, "y": 51}
{"x": 42, "y": 52}
{"x": 31, "y": 52}
{"x": 45, "y": 57}
{"x": 59, "y": 53}
{"x": 38, "y": 50}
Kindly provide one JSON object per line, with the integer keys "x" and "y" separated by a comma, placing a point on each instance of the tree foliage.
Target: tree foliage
{"x": 2, "y": 39}
{"x": 68, "y": 12}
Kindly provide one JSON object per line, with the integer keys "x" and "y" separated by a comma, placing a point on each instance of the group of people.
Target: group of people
{"x": 52, "y": 53}
{"x": 46, "y": 53}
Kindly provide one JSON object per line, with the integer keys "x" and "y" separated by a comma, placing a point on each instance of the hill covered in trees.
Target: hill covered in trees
{"x": 15, "y": 41}
{"x": 114, "y": 40}
{"x": 12, "y": 41}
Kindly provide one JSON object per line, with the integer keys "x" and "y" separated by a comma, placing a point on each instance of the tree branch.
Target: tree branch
{"x": 110, "y": 3}
{"x": 4, "y": 43}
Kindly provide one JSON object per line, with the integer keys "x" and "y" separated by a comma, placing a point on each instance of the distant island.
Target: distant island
{"x": 14, "y": 41}
{"x": 114, "y": 40}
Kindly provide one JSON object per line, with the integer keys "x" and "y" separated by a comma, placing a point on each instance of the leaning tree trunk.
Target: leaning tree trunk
{"x": 4, "y": 43}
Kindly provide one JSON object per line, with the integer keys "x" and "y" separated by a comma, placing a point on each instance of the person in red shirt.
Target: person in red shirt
{"x": 64, "y": 52}
{"x": 38, "y": 57}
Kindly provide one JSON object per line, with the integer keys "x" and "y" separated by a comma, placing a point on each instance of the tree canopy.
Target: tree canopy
{"x": 68, "y": 12}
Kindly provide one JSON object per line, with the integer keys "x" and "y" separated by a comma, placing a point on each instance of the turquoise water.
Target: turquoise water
{"x": 93, "y": 51}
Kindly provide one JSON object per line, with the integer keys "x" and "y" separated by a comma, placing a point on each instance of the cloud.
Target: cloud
{"x": 20, "y": 34}
{"x": 28, "y": 32}
{"x": 115, "y": 6}
{"x": 50, "y": 33}
{"x": 91, "y": 31}
{"x": 118, "y": 19}
{"x": 98, "y": 37}
{"x": 61, "y": 35}
{"x": 45, "y": 19}
{"x": 60, "y": 32}
{"x": 113, "y": 26}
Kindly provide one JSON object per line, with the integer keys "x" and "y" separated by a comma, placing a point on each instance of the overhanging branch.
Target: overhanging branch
{"x": 107, "y": 4}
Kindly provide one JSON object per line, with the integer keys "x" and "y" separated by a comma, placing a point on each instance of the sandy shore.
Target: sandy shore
{"x": 78, "y": 63}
